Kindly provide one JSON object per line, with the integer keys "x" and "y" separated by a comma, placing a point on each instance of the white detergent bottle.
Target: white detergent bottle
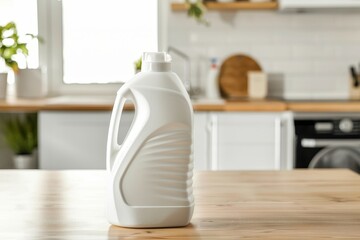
{"x": 212, "y": 85}
{"x": 150, "y": 174}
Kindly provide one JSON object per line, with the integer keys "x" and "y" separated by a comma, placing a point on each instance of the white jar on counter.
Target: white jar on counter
{"x": 257, "y": 84}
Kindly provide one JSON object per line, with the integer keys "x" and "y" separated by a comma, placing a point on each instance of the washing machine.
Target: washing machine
{"x": 327, "y": 143}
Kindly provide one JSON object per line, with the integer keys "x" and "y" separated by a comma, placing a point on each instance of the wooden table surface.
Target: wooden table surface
{"x": 301, "y": 204}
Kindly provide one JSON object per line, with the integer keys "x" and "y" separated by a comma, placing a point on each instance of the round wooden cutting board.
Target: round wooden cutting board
{"x": 233, "y": 79}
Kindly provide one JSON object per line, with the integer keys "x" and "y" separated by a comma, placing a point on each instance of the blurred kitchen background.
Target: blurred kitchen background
{"x": 307, "y": 51}
{"x": 312, "y": 49}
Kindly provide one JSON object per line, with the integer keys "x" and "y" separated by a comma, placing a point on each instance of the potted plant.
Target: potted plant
{"x": 13, "y": 45}
{"x": 30, "y": 83}
{"x": 9, "y": 46}
{"x": 20, "y": 133}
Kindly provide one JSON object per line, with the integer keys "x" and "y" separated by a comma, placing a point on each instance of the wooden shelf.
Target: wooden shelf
{"x": 231, "y": 6}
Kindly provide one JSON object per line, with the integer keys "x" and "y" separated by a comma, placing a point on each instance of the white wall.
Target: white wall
{"x": 313, "y": 50}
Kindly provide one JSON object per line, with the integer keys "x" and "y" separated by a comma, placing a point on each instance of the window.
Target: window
{"x": 91, "y": 45}
{"x": 102, "y": 39}
{"x": 24, "y": 14}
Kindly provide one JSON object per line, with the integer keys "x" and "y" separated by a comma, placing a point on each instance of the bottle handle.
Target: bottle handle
{"x": 113, "y": 146}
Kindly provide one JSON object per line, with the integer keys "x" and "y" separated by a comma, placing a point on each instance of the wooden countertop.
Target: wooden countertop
{"x": 87, "y": 103}
{"x": 79, "y": 103}
{"x": 324, "y": 106}
{"x": 300, "y": 204}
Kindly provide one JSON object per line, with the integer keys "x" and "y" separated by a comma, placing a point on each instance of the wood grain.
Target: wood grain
{"x": 331, "y": 106}
{"x": 233, "y": 76}
{"x": 255, "y": 106}
{"x": 230, "y": 6}
{"x": 68, "y": 103}
{"x": 98, "y": 104}
{"x": 301, "y": 204}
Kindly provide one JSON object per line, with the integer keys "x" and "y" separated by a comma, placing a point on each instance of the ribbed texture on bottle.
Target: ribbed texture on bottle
{"x": 161, "y": 172}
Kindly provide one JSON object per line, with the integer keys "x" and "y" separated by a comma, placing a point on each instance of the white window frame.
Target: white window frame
{"x": 51, "y": 51}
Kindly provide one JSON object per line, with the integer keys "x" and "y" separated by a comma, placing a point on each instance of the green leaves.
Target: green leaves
{"x": 23, "y": 48}
{"x": 138, "y": 64}
{"x": 10, "y": 45}
{"x": 197, "y": 10}
{"x": 20, "y": 133}
{"x": 11, "y": 26}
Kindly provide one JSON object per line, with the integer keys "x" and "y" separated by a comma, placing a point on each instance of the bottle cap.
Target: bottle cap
{"x": 156, "y": 62}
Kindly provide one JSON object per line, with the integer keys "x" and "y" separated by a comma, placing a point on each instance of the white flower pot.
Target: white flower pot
{"x": 30, "y": 83}
{"x": 3, "y": 85}
{"x": 25, "y": 161}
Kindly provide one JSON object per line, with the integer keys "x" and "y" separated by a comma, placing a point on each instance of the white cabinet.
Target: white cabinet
{"x": 221, "y": 140}
{"x": 200, "y": 141}
{"x": 248, "y": 141}
{"x": 76, "y": 140}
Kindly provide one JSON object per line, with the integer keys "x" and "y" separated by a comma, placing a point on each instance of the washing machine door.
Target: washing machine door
{"x": 337, "y": 157}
